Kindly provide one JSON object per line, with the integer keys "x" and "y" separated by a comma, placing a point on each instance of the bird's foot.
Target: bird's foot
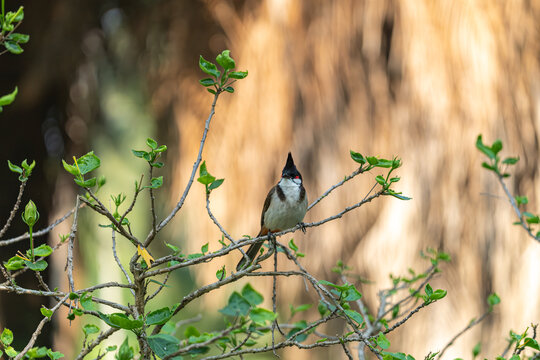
{"x": 302, "y": 227}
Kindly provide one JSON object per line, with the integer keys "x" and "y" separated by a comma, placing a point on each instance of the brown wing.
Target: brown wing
{"x": 267, "y": 204}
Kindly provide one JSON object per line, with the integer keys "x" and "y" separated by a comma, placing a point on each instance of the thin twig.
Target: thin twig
{"x": 516, "y": 209}
{"x": 14, "y": 210}
{"x": 38, "y": 330}
{"x": 40, "y": 232}
{"x": 69, "y": 262}
{"x": 471, "y": 324}
{"x": 195, "y": 167}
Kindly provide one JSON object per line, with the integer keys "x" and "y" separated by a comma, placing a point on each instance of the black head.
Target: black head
{"x": 290, "y": 171}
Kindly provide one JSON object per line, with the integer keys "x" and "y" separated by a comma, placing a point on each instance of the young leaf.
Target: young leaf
{"x": 237, "y": 305}
{"x": 9, "y": 98}
{"x": 359, "y": 158}
{"x": 382, "y": 341}
{"x": 238, "y": 74}
{"x": 151, "y": 143}
{"x": 46, "y": 312}
{"x": 215, "y": 184}
{"x": 7, "y": 336}
{"x": 225, "y": 60}
{"x": 163, "y": 344}
{"x": 208, "y": 67}
{"x": 483, "y": 148}
{"x": 251, "y": 295}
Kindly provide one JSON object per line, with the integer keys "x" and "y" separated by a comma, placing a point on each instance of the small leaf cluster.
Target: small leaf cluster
{"x": 492, "y": 152}
{"x": 18, "y": 262}
{"x": 345, "y": 294}
{"x": 8, "y": 37}
{"x": 153, "y": 155}
{"x": 207, "y": 179}
{"x": 83, "y": 166}
{"x": 6, "y": 339}
{"x": 496, "y": 166}
{"x": 371, "y": 162}
{"x": 24, "y": 171}
{"x": 522, "y": 342}
{"x": 432, "y": 295}
{"x": 220, "y": 80}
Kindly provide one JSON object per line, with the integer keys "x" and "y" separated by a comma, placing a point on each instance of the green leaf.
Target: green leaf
{"x": 521, "y": 200}
{"x": 350, "y": 293}
{"x": 293, "y": 246}
{"x": 438, "y": 294}
{"x": 207, "y": 82}
{"x": 155, "y": 183}
{"x": 73, "y": 296}
{"x": 298, "y": 326}
{"x": 140, "y": 153}
{"x": 86, "y": 183}
{"x": 237, "y": 305}
{"x": 358, "y": 157}
{"x": 382, "y": 341}
{"x": 531, "y": 218}
{"x": 532, "y": 343}
{"x": 483, "y": 148}
{"x": 160, "y": 316}
{"x": 72, "y": 169}
{"x": 151, "y": 143}
{"x": 211, "y": 91}
{"x": 372, "y": 160}
{"x": 384, "y": 163}
{"x": 54, "y": 355}
{"x": 299, "y": 308}
{"x": 88, "y": 162}
{"x": 9, "y": 98}
{"x": 229, "y": 89}
{"x": 238, "y": 74}
{"x": 86, "y": 301}
{"x": 191, "y": 331}
{"x": 7, "y": 337}
{"x": 18, "y": 38}
{"x": 125, "y": 352}
{"x": 120, "y": 320}
{"x": 261, "y": 316}
{"x": 225, "y": 61}
{"x": 496, "y": 146}
{"x": 14, "y": 168}
{"x": 251, "y": 295}
{"x": 209, "y": 67}
{"x": 221, "y": 273}
{"x": 89, "y": 329}
{"x": 205, "y": 178}
{"x": 46, "y": 312}
{"x": 13, "y": 47}
{"x": 163, "y": 344}
{"x": 204, "y": 248}
{"x": 380, "y": 180}
{"x": 355, "y": 316}
{"x": 11, "y": 352}
{"x": 14, "y": 263}
{"x": 215, "y": 184}
{"x": 510, "y": 160}
{"x": 493, "y": 299}
{"x": 429, "y": 290}
{"x": 476, "y": 349}
{"x": 43, "y": 250}
{"x": 15, "y": 17}
{"x": 39, "y": 265}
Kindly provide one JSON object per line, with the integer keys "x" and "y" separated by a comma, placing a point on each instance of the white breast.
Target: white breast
{"x": 285, "y": 214}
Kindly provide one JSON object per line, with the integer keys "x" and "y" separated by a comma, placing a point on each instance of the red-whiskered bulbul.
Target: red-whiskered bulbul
{"x": 284, "y": 207}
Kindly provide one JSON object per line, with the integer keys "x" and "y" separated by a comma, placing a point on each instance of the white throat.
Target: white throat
{"x": 290, "y": 182}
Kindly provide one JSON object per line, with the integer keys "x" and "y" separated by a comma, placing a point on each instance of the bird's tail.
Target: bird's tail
{"x": 252, "y": 251}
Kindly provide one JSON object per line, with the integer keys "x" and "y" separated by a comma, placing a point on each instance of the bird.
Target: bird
{"x": 285, "y": 207}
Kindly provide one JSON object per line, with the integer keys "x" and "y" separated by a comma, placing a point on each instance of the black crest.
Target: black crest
{"x": 290, "y": 170}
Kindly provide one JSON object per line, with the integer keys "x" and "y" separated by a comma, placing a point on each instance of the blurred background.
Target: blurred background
{"x": 418, "y": 80}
